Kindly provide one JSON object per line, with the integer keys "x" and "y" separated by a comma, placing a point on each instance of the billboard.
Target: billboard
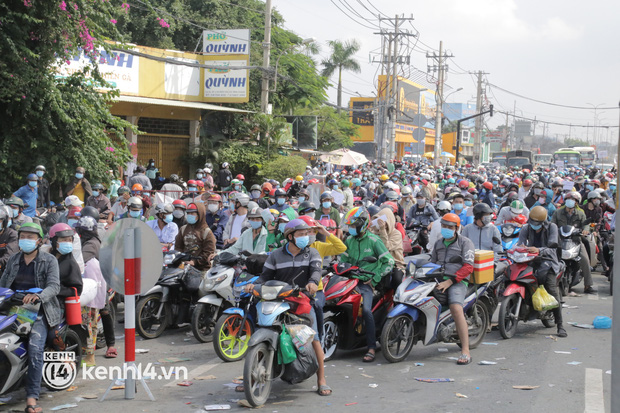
{"x": 366, "y": 118}
{"x": 304, "y": 129}
{"x": 412, "y": 99}
{"x": 226, "y": 42}
{"x": 224, "y": 82}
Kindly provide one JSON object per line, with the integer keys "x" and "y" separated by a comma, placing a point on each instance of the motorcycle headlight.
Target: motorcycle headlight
{"x": 508, "y": 230}
{"x": 413, "y": 297}
{"x": 168, "y": 258}
{"x": 269, "y": 293}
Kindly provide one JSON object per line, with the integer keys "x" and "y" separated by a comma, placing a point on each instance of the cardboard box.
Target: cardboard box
{"x": 484, "y": 268}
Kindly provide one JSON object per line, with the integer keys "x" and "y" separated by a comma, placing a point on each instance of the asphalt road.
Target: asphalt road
{"x": 528, "y": 359}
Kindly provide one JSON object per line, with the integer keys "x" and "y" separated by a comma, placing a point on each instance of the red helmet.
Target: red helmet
{"x": 488, "y": 185}
{"x": 200, "y": 184}
{"x": 527, "y": 182}
{"x": 240, "y": 177}
{"x": 273, "y": 192}
{"x": 214, "y": 197}
{"x": 464, "y": 183}
{"x": 61, "y": 230}
{"x": 308, "y": 220}
{"x": 392, "y": 205}
{"x": 357, "y": 171}
{"x": 517, "y": 180}
{"x": 191, "y": 182}
{"x": 192, "y": 207}
{"x": 520, "y": 219}
{"x": 74, "y": 211}
{"x": 179, "y": 203}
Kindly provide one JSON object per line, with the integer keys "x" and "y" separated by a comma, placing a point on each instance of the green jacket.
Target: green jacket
{"x": 274, "y": 240}
{"x": 368, "y": 245}
{"x": 560, "y": 217}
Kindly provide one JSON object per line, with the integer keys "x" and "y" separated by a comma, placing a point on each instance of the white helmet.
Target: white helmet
{"x": 444, "y": 206}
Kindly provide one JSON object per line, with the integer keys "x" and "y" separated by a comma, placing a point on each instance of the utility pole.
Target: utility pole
{"x": 394, "y": 99}
{"x": 385, "y": 130}
{"x": 264, "y": 95}
{"x": 439, "y": 105}
{"x": 505, "y": 143}
{"x": 478, "y": 133}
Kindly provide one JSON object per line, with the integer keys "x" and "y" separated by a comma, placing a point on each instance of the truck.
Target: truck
{"x": 543, "y": 160}
{"x": 519, "y": 158}
{"x": 499, "y": 158}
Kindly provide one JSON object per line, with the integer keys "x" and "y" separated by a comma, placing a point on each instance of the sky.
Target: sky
{"x": 563, "y": 52}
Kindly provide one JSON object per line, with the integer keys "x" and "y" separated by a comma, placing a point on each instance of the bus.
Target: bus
{"x": 569, "y": 156}
{"x": 588, "y": 155}
{"x": 542, "y": 159}
{"x": 499, "y": 158}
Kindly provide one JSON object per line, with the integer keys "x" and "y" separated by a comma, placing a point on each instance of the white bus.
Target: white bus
{"x": 588, "y": 155}
{"x": 542, "y": 159}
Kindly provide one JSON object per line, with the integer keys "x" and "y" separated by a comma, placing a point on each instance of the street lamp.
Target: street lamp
{"x": 595, "y": 107}
{"x": 291, "y": 47}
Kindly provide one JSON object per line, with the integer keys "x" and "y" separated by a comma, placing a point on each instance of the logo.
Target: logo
{"x": 59, "y": 369}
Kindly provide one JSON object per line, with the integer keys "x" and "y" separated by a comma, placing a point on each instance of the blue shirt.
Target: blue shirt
{"x": 29, "y": 196}
{"x": 465, "y": 220}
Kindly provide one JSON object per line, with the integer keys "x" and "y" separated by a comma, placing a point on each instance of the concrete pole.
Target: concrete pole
{"x": 478, "y": 135}
{"x": 386, "y": 95}
{"x": 615, "y": 334}
{"x": 264, "y": 95}
{"x": 392, "y": 141}
{"x": 439, "y": 103}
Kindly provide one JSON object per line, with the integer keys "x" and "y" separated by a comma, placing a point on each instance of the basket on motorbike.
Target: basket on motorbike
{"x": 191, "y": 279}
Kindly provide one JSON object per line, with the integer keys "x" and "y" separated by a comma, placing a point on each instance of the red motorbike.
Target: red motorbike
{"x": 344, "y": 325}
{"x": 521, "y": 284}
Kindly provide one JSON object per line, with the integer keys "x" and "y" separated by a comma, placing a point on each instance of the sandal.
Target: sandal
{"x": 323, "y": 388}
{"x": 463, "y": 360}
{"x": 32, "y": 408}
{"x": 111, "y": 353}
{"x": 369, "y": 357}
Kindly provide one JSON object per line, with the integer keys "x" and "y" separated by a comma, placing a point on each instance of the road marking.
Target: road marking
{"x": 595, "y": 399}
{"x": 199, "y": 370}
{"x": 592, "y": 296}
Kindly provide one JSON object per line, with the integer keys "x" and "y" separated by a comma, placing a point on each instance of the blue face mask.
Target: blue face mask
{"x": 79, "y": 175}
{"x": 199, "y": 176}
{"x": 353, "y": 231}
{"x": 301, "y": 199}
{"x": 40, "y": 174}
{"x": 237, "y": 187}
{"x": 282, "y": 227}
{"x": 535, "y": 227}
{"x": 168, "y": 218}
{"x": 612, "y": 187}
{"x": 135, "y": 214}
{"x": 457, "y": 207}
{"x": 570, "y": 203}
{"x": 33, "y": 184}
{"x": 192, "y": 189}
{"x": 27, "y": 245}
{"x": 71, "y": 222}
{"x": 255, "y": 194}
{"x": 65, "y": 248}
{"x": 468, "y": 203}
{"x": 281, "y": 201}
{"x": 495, "y": 182}
{"x": 302, "y": 242}
{"x": 447, "y": 233}
{"x": 256, "y": 224}
{"x": 95, "y": 193}
{"x": 327, "y": 205}
{"x": 191, "y": 219}
{"x": 241, "y": 182}
{"x": 590, "y": 187}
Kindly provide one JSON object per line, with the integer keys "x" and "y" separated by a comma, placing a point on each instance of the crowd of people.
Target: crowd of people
{"x": 325, "y": 212}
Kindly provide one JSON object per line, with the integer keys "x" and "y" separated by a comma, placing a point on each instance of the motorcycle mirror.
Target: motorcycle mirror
{"x": 496, "y": 240}
{"x": 456, "y": 260}
{"x": 371, "y": 260}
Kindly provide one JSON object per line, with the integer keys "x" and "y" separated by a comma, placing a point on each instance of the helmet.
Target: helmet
{"x": 332, "y": 182}
{"x": 61, "y": 230}
{"x": 538, "y": 185}
{"x": 255, "y": 212}
{"x": 255, "y": 187}
{"x": 391, "y": 196}
{"x": 225, "y": 165}
{"x": 164, "y": 209}
{"x": 345, "y": 182}
{"x": 137, "y": 187}
{"x": 74, "y": 211}
{"x": 179, "y": 203}
{"x": 173, "y": 178}
{"x": 40, "y": 168}
{"x": 200, "y": 184}
{"x": 89, "y": 211}
{"x": 516, "y": 206}
{"x": 192, "y": 207}
{"x": 87, "y": 223}
{"x": 357, "y": 218}
{"x": 326, "y": 195}
{"x": 304, "y": 192}
{"x": 243, "y": 199}
{"x": 451, "y": 219}
{"x": 199, "y": 171}
{"x": 538, "y": 213}
{"x": 392, "y": 205}
{"x": 279, "y": 193}
{"x": 192, "y": 182}
{"x": 481, "y": 209}
{"x": 527, "y": 182}
{"x": 305, "y": 207}
{"x": 488, "y": 185}
{"x": 15, "y": 201}
{"x": 299, "y": 178}
{"x": 4, "y": 215}
{"x": 235, "y": 182}
{"x": 406, "y": 190}
{"x": 98, "y": 187}
{"x": 266, "y": 187}
{"x": 384, "y": 177}
{"x": 123, "y": 190}
{"x": 31, "y": 227}
{"x": 308, "y": 220}
{"x": 240, "y": 177}
{"x": 134, "y": 202}
{"x": 444, "y": 206}
{"x": 451, "y": 180}
{"x": 595, "y": 182}
{"x": 32, "y": 177}
{"x": 594, "y": 195}
{"x": 295, "y": 225}
{"x": 573, "y": 194}
{"x": 463, "y": 184}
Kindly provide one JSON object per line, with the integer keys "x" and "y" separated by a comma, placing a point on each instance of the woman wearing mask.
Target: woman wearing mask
{"x": 253, "y": 240}
{"x": 275, "y": 236}
{"x": 196, "y": 238}
{"x": 383, "y": 224}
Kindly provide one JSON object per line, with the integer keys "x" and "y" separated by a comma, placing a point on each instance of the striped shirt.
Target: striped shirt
{"x": 298, "y": 270}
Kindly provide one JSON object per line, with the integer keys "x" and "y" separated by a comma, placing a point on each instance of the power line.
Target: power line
{"x": 350, "y": 17}
{"x": 556, "y": 123}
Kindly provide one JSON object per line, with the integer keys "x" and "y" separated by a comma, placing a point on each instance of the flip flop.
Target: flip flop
{"x": 369, "y": 357}
{"x": 32, "y": 408}
{"x": 463, "y": 360}
{"x": 323, "y": 388}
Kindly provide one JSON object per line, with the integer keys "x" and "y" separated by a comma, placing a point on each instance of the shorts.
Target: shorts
{"x": 315, "y": 326}
{"x": 456, "y": 294}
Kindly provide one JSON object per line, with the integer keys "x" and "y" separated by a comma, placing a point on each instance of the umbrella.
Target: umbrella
{"x": 429, "y": 155}
{"x": 344, "y": 157}
{"x": 446, "y": 155}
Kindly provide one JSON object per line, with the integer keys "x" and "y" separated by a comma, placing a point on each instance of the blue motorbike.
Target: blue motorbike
{"x": 510, "y": 235}
{"x": 419, "y": 315}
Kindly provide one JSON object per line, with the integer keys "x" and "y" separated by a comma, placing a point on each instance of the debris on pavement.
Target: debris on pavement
{"x": 366, "y": 375}
{"x": 434, "y": 380}
{"x": 373, "y": 385}
{"x": 64, "y": 406}
{"x": 185, "y": 383}
{"x": 554, "y": 338}
{"x": 574, "y": 363}
{"x": 608, "y": 372}
{"x": 351, "y": 404}
{"x": 461, "y": 396}
{"x": 245, "y": 403}
{"x": 601, "y": 322}
{"x": 442, "y": 350}
{"x": 142, "y": 350}
{"x": 487, "y": 363}
{"x": 573, "y": 294}
{"x": 419, "y": 364}
{"x": 525, "y": 387}
{"x": 72, "y": 388}
{"x": 581, "y": 325}
{"x": 174, "y": 359}
{"x": 217, "y": 407}
{"x": 209, "y": 377}
{"x": 489, "y": 343}
{"x": 89, "y": 396}
{"x": 562, "y": 352}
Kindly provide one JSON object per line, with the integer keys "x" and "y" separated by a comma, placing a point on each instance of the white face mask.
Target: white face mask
{"x": 213, "y": 207}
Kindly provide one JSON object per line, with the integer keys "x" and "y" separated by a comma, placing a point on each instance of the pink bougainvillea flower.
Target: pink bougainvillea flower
{"x": 125, "y": 7}
{"x": 27, "y": 3}
{"x": 113, "y": 21}
{"x": 162, "y": 22}
{"x": 63, "y": 6}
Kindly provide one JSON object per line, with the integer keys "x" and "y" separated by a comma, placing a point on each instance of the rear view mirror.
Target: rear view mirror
{"x": 371, "y": 260}
{"x": 456, "y": 260}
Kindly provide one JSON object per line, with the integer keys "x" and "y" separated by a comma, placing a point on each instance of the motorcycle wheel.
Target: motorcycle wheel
{"x": 203, "y": 318}
{"x": 481, "y": 322}
{"x": 257, "y": 375}
{"x": 227, "y": 345}
{"x": 74, "y": 344}
{"x": 508, "y": 319}
{"x": 330, "y": 337}
{"x": 146, "y": 324}
{"x": 397, "y": 338}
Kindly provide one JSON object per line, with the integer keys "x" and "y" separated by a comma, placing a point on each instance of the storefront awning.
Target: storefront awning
{"x": 177, "y": 103}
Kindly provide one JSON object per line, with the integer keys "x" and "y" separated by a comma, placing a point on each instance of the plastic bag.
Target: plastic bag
{"x": 543, "y": 301}
{"x": 286, "y": 349}
{"x": 301, "y": 335}
{"x": 302, "y": 368}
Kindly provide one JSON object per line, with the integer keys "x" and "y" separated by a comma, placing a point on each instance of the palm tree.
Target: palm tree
{"x": 341, "y": 59}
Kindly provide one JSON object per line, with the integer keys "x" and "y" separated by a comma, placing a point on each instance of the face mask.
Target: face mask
{"x": 447, "y": 233}
{"x": 312, "y": 239}
{"x": 535, "y": 227}
{"x": 282, "y": 227}
{"x": 40, "y": 173}
{"x": 612, "y": 187}
{"x": 537, "y": 191}
{"x": 95, "y": 193}
{"x": 135, "y": 214}
{"x": 191, "y": 219}
{"x": 168, "y": 218}
{"x": 570, "y": 203}
{"x": 255, "y": 194}
{"x": 301, "y": 199}
{"x": 302, "y": 242}
{"x": 281, "y": 201}
{"x": 542, "y": 201}
{"x": 256, "y": 224}
{"x": 27, "y": 245}
{"x": 486, "y": 220}
{"x": 199, "y": 176}
{"x": 65, "y": 248}
{"x": 326, "y": 204}
{"x": 590, "y": 187}
{"x": 364, "y": 179}
{"x": 213, "y": 208}
{"x": 15, "y": 212}
{"x": 178, "y": 214}
{"x": 79, "y": 175}
{"x": 241, "y": 182}
{"x": 457, "y": 207}
{"x": 237, "y": 188}
{"x": 421, "y": 202}
{"x": 469, "y": 203}
{"x": 71, "y": 222}
{"x": 192, "y": 189}
{"x": 33, "y": 184}
{"x": 495, "y": 182}
{"x": 596, "y": 202}
{"x": 414, "y": 182}
{"x": 353, "y": 231}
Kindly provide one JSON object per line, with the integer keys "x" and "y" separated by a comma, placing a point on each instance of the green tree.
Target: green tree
{"x": 334, "y": 129}
{"x": 283, "y": 167}
{"x": 575, "y": 142}
{"x": 244, "y": 158}
{"x": 341, "y": 59}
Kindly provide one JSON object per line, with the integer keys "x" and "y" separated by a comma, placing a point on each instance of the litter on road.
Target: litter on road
{"x": 487, "y": 363}
{"x": 174, "y": 359}
{"x": 63, "y": 406}
{"x": 461, "y": 396}
{"x": 562, "y": 352}
{"x": 581, "y": 325}
{"x": 217, "y": 407}
{"x": 209, "y": 377}
{"x": 429, "y": 380}
{"x": 442, "y": 350}
{"x": 525, "y": 387}
{"x": 142, "y": 350}
{"x": 574, "y": 363}
{"x": 185, "y": 383}
{"x": 489, "y": 343}
{"x": 373, "y": 385}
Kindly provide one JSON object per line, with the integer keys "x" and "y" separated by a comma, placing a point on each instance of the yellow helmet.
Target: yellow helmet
{"x": 299, "y": 178}
{"x": 384, "y": 177}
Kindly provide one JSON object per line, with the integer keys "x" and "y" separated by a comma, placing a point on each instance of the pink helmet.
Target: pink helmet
{"x": 61, "y": 230}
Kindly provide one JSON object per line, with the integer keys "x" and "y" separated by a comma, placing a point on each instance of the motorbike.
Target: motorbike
{"x": 521, "y": 283}
{"x": 607, "y": 238}
{"x": 570, "y": 241}
{"x": 510, "y": 235}
{"x": 171, "y": 301}
{"x": 16, "y": 321}
{"x": 236, "y": 325}
{"x": 418, "y": 314}
{"x": 343, "y": 325}
{"x": 413, "y": 233}
{"x": 261, "y": 365}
